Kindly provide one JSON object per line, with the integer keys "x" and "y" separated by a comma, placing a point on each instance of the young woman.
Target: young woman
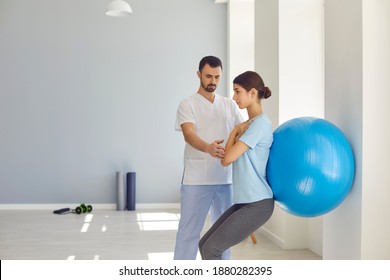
{"x": 248, "y": 149}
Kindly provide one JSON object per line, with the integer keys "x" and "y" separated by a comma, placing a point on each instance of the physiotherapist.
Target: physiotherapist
{"x": 206, "y": 120}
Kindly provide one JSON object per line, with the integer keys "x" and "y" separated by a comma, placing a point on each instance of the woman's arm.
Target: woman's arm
{"x": 234, "y": 148}
{"x": 242, "y": 128}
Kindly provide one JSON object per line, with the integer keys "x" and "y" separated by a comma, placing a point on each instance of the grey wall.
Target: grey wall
{"x": 83, "y": 95}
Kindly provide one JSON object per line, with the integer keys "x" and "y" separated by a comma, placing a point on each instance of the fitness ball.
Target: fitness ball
{"x": 311, "y": 166}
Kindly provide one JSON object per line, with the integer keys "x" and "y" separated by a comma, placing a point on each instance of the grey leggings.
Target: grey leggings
{"x": 236, "y": 224}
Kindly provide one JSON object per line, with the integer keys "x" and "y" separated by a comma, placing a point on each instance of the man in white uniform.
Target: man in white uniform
{"x": 206, "y": 120}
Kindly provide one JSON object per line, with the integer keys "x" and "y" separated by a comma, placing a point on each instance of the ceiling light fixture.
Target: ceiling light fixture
{"x": 118, "y": 8}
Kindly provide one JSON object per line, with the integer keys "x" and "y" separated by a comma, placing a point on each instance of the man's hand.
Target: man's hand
{"x": 216, "y": 150}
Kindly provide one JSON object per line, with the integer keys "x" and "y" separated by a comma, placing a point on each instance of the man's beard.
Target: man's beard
{"x": 209, "y": 87}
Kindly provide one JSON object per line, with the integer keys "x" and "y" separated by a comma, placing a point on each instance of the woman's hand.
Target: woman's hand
{"x": 241, "y": 128}
{"x": 235, "y": 148}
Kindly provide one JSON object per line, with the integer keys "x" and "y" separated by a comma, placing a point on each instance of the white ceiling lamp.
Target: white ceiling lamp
{"x": 118, "y": 8}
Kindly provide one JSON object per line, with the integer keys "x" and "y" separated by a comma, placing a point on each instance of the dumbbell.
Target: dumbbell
{"x": 78, "y": 210}
{"x": 83, "y": 208}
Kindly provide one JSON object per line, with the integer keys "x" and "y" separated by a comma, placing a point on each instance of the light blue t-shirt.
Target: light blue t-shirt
{"x": 249, "y": 170}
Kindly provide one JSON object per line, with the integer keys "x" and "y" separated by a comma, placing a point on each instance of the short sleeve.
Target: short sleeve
{"x": 257, "y": 132}
{"x": 184, "y": 114}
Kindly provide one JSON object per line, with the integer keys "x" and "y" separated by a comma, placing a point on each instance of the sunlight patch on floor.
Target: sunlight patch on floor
{"x": 87, "y": 222}
{"x": 157, "y": 221}
{"x": 160, "y": 256}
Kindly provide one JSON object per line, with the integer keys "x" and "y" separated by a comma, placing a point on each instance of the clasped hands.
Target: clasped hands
{"x": 217, "y": 151}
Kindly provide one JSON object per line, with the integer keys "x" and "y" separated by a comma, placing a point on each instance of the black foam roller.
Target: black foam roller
{"x": 61, "y": 211}
{"x": 130, "y": 184}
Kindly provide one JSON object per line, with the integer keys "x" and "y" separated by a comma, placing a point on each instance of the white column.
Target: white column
{"x": 376, "y": 130}
{"x": 241, "y": 40}
{"x": 357, "y": 59}
{"x": 267, "y": 52}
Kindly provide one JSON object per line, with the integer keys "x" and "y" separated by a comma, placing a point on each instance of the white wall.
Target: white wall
{"x": 301, "y": 91}
{"x": 83, "y": 95}
{"x": 289, "y": 54}
{"x": 241, "y": 41}
{"x": 343, "y": 107}
{"x": 267, "y": 52}
{"x": 241, "y": 38}
{"x": 376, "y": 131}
{"x": 357, "y": 96}
{"x": 301, "y": 59}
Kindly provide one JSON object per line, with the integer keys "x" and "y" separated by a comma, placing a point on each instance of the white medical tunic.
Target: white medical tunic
{"x": 213, "y": 121}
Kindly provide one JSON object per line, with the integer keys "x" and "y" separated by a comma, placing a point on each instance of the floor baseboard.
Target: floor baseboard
{"x": 98, "y": 206}
{"x": 271, "y": 236}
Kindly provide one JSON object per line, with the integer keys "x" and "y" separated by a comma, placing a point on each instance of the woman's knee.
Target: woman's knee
{"x": 209, "y": 252}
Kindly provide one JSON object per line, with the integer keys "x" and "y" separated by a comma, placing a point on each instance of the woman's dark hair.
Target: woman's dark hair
{"x": 249, "y": 80}
{"x": 210, "y": 60}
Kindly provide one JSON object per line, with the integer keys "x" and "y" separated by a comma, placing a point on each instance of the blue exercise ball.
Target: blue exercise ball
{"x": 311, "y": 166}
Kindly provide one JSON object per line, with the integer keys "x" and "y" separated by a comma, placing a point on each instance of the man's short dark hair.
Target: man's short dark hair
{"x": 210, "y": 60}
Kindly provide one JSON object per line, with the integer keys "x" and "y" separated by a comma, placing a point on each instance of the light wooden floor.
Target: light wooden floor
{"x": 110, "y": 235}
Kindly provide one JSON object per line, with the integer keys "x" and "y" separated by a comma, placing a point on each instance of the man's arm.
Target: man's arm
{"x": 214, "y": 149}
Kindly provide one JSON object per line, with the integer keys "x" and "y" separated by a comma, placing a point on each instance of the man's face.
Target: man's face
{"x": 209, "y": 77}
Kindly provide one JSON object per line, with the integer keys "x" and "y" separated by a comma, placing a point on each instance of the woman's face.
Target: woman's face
{"x": 242, "y": 97}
